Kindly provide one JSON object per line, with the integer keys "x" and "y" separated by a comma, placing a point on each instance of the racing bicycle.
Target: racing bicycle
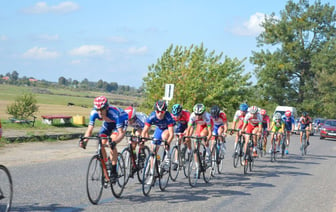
{"x": 6, "y": 189}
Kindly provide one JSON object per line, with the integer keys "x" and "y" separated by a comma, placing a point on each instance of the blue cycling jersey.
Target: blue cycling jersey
{"x": 115, "y": 117}
{"x": 163, "y": 123}
{"x": 288, "y": 122}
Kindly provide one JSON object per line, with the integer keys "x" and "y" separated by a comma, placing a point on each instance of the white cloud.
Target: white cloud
{"x": 251, "y": 27}
{"x": 40, "y": 53}
{"x": 3, "y": 37}
{"x": 42, "y": 7}
{"x": 46, "y": 37}
{"x": 134, "y": 50}
{"x": 117, "y": 39}
{"x": 88, "y": 50}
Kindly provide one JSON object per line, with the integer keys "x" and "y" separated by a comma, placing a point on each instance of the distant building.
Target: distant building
{"x": 5, "y": 78}
{"x": 32, "y": 80}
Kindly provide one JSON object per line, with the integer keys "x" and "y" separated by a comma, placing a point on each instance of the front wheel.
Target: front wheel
{"x": 6, "y": 189}
{"x": 118, "y": 187}
{"x": 148, "y": 175}
{"x": 193, "y": 170}
{"x": 164, "y": 171}
{"x": 236, "y": 155}
{"x": 175, "y": 163}
{"x": 126, "y": 153}
{"x": 94, "y": 180}
{"x": 141, "y": 162}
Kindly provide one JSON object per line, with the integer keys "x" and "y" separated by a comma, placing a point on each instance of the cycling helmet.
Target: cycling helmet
{"x": 277, "y": 116}
{"x": 263, "y": 112}
{"x": 288, "y": 113}
{"x": 243, "y": 107}
{"x": 304, "y": 114}
{"x": 199, "y": 109}
{"x": 177, "y": 109}
{"x": 100, "y": 102}
{"x": 253, "y": 110}
{"x": 131, "y": 112}
{"x": 215, "y": 110}
{"x": 160, "y": 106}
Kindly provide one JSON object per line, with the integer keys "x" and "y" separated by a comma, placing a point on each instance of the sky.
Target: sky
{"x": 116, "y": 41}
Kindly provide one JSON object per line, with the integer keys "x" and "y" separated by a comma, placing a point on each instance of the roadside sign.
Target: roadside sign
{"x": 169, "y": 92}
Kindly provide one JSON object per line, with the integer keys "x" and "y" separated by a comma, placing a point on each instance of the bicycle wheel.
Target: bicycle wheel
{"x": 283, "y": 147}
{"x": 118, "y": 187}
{"x": 175, "y": 166}
{"x": 303, "y": 144}
{"x": 141, "y": 162}
{"x": 163, "y": 172}
{"x": 126, "y": 154}
{"x": 246, "y": 160}
{"x": 220, "y": 162}
{"x": 148, "y": 175}
{"x": 193, "y": 170}
{"x": 236, "y": 155}
{"x": 214, "y": 159}
{"x": 94, "y": 180}
{"x": 6, "y": 189}
{"x": 185, "y": 158}
{"x": 208, "y": 167}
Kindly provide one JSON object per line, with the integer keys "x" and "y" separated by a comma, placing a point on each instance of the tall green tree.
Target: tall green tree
{"x": 286, "y": 74}
{"x": 199, "y": 76}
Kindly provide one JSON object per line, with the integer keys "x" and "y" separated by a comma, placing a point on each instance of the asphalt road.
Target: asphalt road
{"x": 51, "y": 177}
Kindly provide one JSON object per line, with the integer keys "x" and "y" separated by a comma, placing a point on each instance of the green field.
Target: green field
{"x": 55, "y": 101}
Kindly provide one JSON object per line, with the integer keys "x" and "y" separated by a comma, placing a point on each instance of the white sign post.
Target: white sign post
{"x": 169, "y": 92}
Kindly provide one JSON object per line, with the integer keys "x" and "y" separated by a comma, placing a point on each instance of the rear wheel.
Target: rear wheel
{"x": 94, "y": 180}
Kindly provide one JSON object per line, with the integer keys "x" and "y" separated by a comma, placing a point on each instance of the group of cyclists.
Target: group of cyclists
{"x": 247, "y": 121}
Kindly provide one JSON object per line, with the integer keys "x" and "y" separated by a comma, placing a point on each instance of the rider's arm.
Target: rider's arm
{"x": 171, "y": 134}
{"x": 89, "y": 130}
{"x": 145, "y": 130}
{"x": 120, "y": 136}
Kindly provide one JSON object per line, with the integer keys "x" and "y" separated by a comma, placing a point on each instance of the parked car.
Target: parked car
{"x": 328, "y": 130}
{"x": 317, "y": 123}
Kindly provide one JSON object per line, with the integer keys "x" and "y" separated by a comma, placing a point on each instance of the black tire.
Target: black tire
{"x": 236, "y": 156}
{"x": 94, "y": 180}
{"x": 6, "y": 189}
{"x": 220, "y": 162}
{"x": 214, "y": 159}
{"x": 175, "y": 163}
{"x": 163, "y": 173}
{"x": 193, "y": 170}
{"x": 141, "y": 163}
{"x": 126, "y": 153}
{"x": 148, "y": 175}
{"x": 185, "y": 158}
{"x": 118, "y": 187}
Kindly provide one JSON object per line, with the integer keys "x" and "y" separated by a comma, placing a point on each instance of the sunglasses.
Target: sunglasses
{"x": 160, "y": 112}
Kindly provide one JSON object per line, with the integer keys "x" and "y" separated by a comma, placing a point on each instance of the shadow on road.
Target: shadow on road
{"x": 51, "y": 207}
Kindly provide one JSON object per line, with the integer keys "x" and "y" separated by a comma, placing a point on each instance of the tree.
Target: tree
{"x": 23, "y": 107}
{"x": 62, "y": 81}
{"x": 199, "y": 76}
{"x": 286, "y": 76}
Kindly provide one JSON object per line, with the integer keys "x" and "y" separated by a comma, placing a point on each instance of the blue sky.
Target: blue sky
{"x": 116, "y": 41}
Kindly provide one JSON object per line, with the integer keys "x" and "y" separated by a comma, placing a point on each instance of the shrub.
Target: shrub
{"x": 23, "y": 107}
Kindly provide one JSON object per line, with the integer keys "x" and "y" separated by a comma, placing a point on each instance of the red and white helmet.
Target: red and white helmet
{"x": 253, "y": 109}
{"x": 263, "y": 112}
{"x": 130, "y": 111}
{"x": 100, "y": 102}
{"x": 288, "y": 113}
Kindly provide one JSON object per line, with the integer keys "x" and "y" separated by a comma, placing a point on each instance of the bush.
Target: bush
{"x": 23, "y": 107}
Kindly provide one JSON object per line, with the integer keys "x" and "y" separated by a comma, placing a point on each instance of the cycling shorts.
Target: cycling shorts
{"x": 215, "y": 129}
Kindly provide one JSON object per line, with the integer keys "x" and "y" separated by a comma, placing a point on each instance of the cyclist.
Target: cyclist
{"x": 164, "y": 123}
{"x": 305, "y": 124}
{"x": 137, "y": 121}
{"x": 181, "y": 118}
{"x": 277, "y": 125}
{"x": 265, "y": 126}
{"x": 289, "y": 127}
{"x": 220, "y": 125}
{"x": 239, "y": 117}
{"x": 252, "y": 124}
{"x": 201, "y": 119}
{"x": 115, "y": 122}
